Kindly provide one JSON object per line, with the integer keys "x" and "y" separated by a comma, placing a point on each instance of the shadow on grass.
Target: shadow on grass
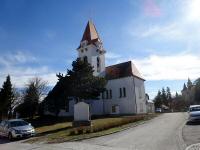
{"x": 48, "y": 120}
{"x": 52, "y": 131}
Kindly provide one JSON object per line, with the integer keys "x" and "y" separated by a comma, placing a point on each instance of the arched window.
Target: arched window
{"x": 85, "y": 59}
{"x": 98, "y": 64}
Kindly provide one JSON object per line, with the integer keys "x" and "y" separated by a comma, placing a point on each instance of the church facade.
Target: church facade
{"x": 125, "y": 91}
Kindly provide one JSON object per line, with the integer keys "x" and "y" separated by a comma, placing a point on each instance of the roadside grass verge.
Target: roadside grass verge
{"x": 62, "y": 132}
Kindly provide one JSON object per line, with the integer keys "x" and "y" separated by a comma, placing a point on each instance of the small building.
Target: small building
{"x": 150, "y": 106}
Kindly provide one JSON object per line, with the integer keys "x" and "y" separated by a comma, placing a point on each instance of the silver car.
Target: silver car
{"x": 16, "y": 128}
{"x": 194, "y": 113}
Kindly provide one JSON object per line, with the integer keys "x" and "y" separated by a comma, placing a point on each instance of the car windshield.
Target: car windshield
{"x": 195, "y": 109}
{"x": 18, "y": 123}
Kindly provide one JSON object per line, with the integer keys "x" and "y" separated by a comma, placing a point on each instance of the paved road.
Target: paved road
{"x": 161, "y": 133}
{"x": 191, "y": 133}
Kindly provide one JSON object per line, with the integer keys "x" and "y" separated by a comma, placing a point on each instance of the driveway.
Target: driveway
{"x": 161, "y": 133}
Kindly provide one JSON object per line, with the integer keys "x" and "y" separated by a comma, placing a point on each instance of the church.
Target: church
{"x": 125, "y": 91}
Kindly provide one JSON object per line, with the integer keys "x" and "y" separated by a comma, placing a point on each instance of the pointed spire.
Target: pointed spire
{"x": 90, "y": 32}
{"x": 184, "y": 87}
{"x": 189, "y": 83}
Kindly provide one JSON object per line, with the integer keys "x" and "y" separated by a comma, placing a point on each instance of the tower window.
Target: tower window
{"x": 110, "y": 94}
{"x": 120, "y": 92}
{"x": 98, "y": 64}
{"x": 85, "y": 59}
{"x": 124, "y": 91}
{"x": 107, "y": 96}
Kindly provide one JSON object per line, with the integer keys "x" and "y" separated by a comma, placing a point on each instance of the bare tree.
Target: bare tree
{"x": 35, "y": 91}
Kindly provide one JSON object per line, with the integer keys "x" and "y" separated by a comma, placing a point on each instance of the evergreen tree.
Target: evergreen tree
{"x": 158, "y": 100}
{"x": 83, "y": 84}
{"x": 164, "y": 97}
{"x": 197, "y": 91}
{"x": 78, "y": 83}
{"x": 176, "y": 95}
{"x": 169, "y": 97}
{"x": 189, "y": 84}
{"x": 58, "y": 96}
{"x": 184, "y": 87}
{"x": 6, "y": 98}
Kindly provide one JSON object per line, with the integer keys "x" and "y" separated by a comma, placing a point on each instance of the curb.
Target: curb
{"x": 193, "y": 147}
{"x": 182, "y": 143}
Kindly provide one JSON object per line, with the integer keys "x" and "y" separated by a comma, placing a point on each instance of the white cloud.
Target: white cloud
{"x": 192, "y": 10}
{"x": 15, "y": 66}
{"x": 110, "y": 55}
{"x": 19, "y": 57}
{"x": 170, "y": 31}
{"x": 184, "y": 26}
{"x": 20, "y": 75}
{"x": 174, "y": 67}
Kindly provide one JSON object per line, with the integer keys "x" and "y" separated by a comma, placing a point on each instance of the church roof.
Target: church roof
{"x": 121, "y": 70}
{"x": 90, "y": 32}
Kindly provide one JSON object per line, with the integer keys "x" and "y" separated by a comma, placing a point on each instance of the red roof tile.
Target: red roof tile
{"x": 122, "y": 70}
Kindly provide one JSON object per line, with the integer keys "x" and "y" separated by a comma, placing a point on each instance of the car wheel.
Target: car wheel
{"x": 10, "y": 137}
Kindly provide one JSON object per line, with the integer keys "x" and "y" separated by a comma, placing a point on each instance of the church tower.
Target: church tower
{"x": 91, "y": 49}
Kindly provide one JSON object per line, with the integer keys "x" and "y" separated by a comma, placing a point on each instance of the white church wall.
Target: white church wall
{"x": 140, "y": 96}
{"x": 96, "y": 107}
{"x": 71, "y": 109}
{"x": 126, "y": 104}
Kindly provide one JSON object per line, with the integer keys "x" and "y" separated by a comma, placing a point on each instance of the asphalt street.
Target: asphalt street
{"x": 161, "y": 133}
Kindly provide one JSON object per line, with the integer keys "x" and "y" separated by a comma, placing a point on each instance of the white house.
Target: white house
{"x": 125, "y": 92}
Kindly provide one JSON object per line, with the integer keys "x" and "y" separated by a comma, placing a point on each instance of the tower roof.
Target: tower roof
{"x": 90, "y": 34}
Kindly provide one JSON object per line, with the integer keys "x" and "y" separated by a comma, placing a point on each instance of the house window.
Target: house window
{"x": 81, "y": 50}
{"x": 113, "y": 109}
{"x": 110, "y": 94}
{"x": 98, "y": 64}
{"x": 107, "y": 95}
{"x": 86, "y": 49}
{"x": 124, "y": 91}
{"x": 120, "y": 92}
{"x": 85, "y": 59}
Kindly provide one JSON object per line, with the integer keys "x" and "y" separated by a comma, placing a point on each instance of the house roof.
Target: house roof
{"x": 121, "y": 70}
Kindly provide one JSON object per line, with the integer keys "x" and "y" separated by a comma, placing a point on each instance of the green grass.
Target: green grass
{"x": 63, "y": 131}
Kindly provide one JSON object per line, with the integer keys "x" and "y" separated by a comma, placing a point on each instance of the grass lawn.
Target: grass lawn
{"x": 61, "y": 130}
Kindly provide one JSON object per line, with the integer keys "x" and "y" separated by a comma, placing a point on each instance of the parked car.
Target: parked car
{"x": 194, "y": 113}
{"x": 158, "y": 110}
{"x": 16, "y": 128}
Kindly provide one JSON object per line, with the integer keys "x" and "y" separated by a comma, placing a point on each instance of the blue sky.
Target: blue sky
{"x": 40, "y": 37}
